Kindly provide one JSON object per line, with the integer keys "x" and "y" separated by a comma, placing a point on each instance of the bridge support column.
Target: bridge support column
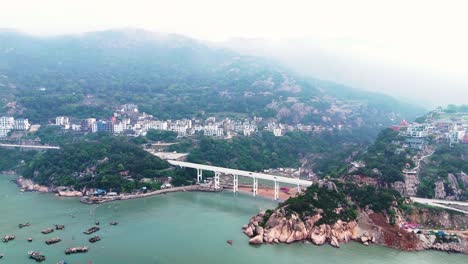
{"x": 216, "y": 180}
{"x": 235, "y": 188}
{"x": 276, "y": 190}
{"x": 255, "y": 186}
{"x": 199, "y": 175}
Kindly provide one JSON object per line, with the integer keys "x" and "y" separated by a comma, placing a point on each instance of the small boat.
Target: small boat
{"x": 8, "y": 238}
{"x": 61, "y": 262}
{"x": 36, "y": 256}
{"x": 97, "y": 223}
{"x": 94, "y": 239}
{"x": 229, "y": 242}
{"x": 53, "y": 240}
{"x": 113, "y": 223}
{"x": 91, "y": 230}
{"x": 47, "y": 231}
{"x": 30, "y": 239}
{"x": 73, "y": 250}
{"x": 24, "y": 225}
{"x": 1, "y": 255}
{"x": 59, "y": 227}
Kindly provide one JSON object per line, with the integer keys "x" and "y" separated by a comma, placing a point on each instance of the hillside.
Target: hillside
{"x": 169, "y": 76}
{"x": 428, "y": 158}
{"x": 102, "y": 162}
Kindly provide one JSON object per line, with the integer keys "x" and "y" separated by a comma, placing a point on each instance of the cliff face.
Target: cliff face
{"x": 432, "y": 218}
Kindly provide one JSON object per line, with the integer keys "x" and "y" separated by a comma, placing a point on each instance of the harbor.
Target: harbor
{"x": 172, "y": 227}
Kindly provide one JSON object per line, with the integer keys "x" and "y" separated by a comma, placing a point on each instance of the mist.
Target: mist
{"x": 426, "y": 77}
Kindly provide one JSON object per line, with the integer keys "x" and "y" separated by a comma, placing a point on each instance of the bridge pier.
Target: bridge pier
{"x": 276, "y": 190}
{"x": 199, "y": 175}
{"x": 235, "y": 187}
{"x": 255, "y": 186}
{"x": 216, "y": 180}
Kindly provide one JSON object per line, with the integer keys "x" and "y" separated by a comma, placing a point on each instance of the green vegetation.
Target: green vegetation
{"x": 158, "y": 135}
{"x": 348, "y": 197}
{"x": 170, "y": 77}
{"x": 264, "y": 151}
{"x": 387, "y": 156}
{"x": 10, "y": 159}
{"x": 316, "y": 198}
{"x": 101, "y": 162}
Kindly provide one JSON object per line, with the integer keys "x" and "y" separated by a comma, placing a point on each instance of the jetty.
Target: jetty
{"x": 53, "y": 240}
{"x": 47, "y": 231}
{"x": 74, "y": 250}
{"x": 36, "y": 256}
{"x": 8, "y": 238}
{"x": 91, "y": 230}
{"x": 107, "y": 198}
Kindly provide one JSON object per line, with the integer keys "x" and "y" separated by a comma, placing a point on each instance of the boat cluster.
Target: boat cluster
{"x": 40, "y": 257}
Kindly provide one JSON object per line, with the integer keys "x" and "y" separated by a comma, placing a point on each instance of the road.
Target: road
{"x": 441, "y": 203}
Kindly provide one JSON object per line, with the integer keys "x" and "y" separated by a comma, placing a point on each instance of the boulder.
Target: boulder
{"x": 256, "y": 240}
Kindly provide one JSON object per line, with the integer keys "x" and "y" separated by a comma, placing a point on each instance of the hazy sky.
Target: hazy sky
{"x": 429, "y": 37}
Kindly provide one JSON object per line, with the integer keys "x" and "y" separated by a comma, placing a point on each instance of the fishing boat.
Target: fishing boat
{"x": 59, "y": 227}
{"x": 91, "y": 230}
{"x": 36, "y": 256}
{"x": 53, "y": 240}
{"x": 24, "y": 225}
{"x": 8, "y": 238}
{"x": 73, "y": 250}
{"x": 113, "y": 223}
{"x": 94, "y": 239}
{"x": 47, "y": 231}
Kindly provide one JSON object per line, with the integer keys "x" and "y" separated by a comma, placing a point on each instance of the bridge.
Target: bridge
{"x": 236, "y": 173}
{"x": 29, "y": 147}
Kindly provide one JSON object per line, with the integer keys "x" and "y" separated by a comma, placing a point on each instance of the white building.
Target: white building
{"x": 21, "y": 124}
{"x": 277, "y": 132}
{"x": 62, "y": 121}
{"x": 6, "y": 125}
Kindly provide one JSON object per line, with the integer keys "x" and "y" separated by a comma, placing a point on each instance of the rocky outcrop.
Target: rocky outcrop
{"x": 280, "y": 228}
{"x": 27, "y": 185}
{"x": 440, "y": 190}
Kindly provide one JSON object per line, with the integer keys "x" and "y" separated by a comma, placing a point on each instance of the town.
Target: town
{"x": 128, "y": 120}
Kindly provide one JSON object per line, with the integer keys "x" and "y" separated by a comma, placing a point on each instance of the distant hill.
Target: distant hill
{"x": 170, "y": 76}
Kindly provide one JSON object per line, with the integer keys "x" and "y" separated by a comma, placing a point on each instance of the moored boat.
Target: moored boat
{"x": 59, "y": 227}
{"x": 8, "y": 238}
{"x": 91, "y": 230}
{"x": 113, "y": 223}
{"x": 36, "y": 256}
{"x": 47, "y": 231}
{"x": 53, "y": 240}
{"x": 94, "y": 239}
{"x": 73, "y": 250}
{"x": 24, "y": 225}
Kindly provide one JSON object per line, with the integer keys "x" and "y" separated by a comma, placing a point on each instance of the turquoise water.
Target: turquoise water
{"x": 173, "y": 228}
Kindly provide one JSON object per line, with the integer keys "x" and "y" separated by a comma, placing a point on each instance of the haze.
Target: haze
{"x": 414, "y": 50}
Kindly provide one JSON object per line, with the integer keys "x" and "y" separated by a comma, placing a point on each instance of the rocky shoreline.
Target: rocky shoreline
{"x": 280, "y": 227}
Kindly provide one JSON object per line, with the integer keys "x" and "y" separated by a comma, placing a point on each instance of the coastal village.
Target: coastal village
{"x": 128, "y": 120}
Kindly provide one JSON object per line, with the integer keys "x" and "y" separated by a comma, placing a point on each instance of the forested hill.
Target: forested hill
{"x": 169, "y": 76}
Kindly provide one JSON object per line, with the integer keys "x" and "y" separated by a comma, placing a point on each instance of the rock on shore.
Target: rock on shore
{"x": 27, "y": 185}
{"x": 279, "y": 228}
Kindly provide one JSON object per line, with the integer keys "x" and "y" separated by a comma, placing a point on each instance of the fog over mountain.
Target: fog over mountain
{"x": 419, "y": 77}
